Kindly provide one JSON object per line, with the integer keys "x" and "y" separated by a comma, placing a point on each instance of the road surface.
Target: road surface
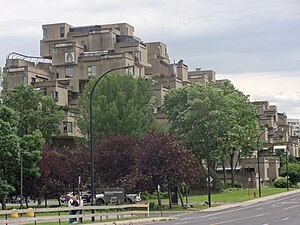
{"x": 284, "y": 210}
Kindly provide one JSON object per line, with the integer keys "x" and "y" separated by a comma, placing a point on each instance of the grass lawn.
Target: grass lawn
{"x": 233, "y": 195}
{"x": 86, "y": 221}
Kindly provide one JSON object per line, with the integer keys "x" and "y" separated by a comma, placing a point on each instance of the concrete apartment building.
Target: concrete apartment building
{"x": 295, "y": 124}
{"x": 70, "y": 56}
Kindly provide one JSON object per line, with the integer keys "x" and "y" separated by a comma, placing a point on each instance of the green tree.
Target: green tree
{"x": 36, "y": 111}
{"x": 121, "y": 104}
{"x": 216, "y": 123}
{"x": 293, "y": 172}
{"x": 9, "y": 152}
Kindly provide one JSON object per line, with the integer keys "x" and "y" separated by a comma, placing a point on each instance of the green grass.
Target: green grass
{"x": 233, "y": 195}
{"x": 86, "y": 221}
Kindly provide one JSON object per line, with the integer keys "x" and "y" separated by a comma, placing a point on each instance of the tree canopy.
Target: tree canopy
{"x": 212, "y": 121}
{"x": 36, "y": 111}
{"x": 9, "y": 151}
{"x": 121, "y": 104}
{"x": 114, "y": 159}
{"x": 162, "y": 160}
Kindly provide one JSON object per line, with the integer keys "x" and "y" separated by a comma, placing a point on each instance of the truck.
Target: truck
{"x": 112, "y": 196}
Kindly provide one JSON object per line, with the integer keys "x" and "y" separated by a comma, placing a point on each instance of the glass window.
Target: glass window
{"x": 44, "y": 33}
{"x": 25, "y": 81}
{"x": 68, "y": 127}
{"x": 54, "y": 95}
{"x": 62, "y": 31}
{"x": 69, "y": 56}
{"x": 50, "y": 48}
{"x": 139, "y": 71}
{"x": 69, "y": 71}
{"x": 137, "y": 56}
{"x": 91, "y": 70}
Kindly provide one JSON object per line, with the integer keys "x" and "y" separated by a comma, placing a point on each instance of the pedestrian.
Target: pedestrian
{"x": 72, "y": 203}
{"x": 80, "y": 210}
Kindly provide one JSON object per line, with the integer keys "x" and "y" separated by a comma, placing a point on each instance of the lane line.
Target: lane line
{"x": 287, "y": 218}
{"x": 294, "y": 206}
{"x": 249, "y": 217}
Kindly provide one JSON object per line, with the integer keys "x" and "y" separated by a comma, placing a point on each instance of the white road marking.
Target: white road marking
{"x": 186, "y": 218}
{"x": 213, "y": 218}
{"x": 287, "y": 218}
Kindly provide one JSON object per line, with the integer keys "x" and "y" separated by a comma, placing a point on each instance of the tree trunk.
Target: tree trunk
{"x": 26, "y": 202}
{"x": 59, "y": 202}
{"x": 39, "y": 201}
{"x": 180, "y": 196}
{"x": 3, "y": 203}
{"x": 232, "y": 169}
{"x": 158, "y": 197}
{"x": 224, "y": 173}
{"x": 46, "y": 202}
{"x": 170, "y": 199}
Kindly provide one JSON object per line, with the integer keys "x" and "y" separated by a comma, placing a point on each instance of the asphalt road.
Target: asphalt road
{"x": 284, "y": 210}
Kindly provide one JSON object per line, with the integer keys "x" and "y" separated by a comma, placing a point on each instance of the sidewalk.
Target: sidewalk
{"x": 136, "y": 221}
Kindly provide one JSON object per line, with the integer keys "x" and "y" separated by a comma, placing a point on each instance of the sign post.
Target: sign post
{"x": 249, "y": 183}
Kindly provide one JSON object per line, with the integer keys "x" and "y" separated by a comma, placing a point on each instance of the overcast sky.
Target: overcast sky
{"x": 255, "y": 44}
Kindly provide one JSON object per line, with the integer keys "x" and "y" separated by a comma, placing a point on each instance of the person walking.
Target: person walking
{"x": 71, "y": 204}
{"x": 80, "y": 210}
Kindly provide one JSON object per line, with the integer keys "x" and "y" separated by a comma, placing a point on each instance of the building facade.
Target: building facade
{"x": 70, "y": 56}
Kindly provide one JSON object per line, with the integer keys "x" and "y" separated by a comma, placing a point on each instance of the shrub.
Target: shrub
{"x": 235, "y": 185}
{"x": 148, "y": 196}
{"x": 293, "y": 172}
{"x": 280, "y": 182}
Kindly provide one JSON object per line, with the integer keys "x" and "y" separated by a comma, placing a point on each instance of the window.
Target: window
{"x": 137, "y": 56}
{"x": 69, "y": 56}
{"x": 54, "y": 95}
{"x": 69, "y": 71}
{"x": 44, "y": 33}
{"x": 33, "y": 80}
{"x": 139, "y": 71}
{"x": 50, "y": 48}
{"x": 62, "y": 31}
{"x": 68, "y": 127}
{"x": 25, "y": 81}
{"x": 91, "y": 70}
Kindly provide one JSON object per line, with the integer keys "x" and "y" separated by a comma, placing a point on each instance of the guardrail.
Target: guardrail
{"x": 60, "y": 214}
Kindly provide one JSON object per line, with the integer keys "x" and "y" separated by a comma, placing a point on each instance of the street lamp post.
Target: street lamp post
{"x": 213, "y": 119}
{"x": 91, "y": 129}
{"x": 258, "y": 169}
{"x": 286, "y": 164}
{"x": 287, "y": 169}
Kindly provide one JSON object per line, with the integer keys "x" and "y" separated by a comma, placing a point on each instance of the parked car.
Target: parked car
{"x": 112, "y": 196}
{"x": 16, "y": 199}
{"x": 65, "y": 198}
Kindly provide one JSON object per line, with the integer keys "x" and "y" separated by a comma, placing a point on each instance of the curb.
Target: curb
{"x": 136, "y": 221}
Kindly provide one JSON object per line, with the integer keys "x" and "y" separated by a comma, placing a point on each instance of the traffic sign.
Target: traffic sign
{"x": 210, "y": 179}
